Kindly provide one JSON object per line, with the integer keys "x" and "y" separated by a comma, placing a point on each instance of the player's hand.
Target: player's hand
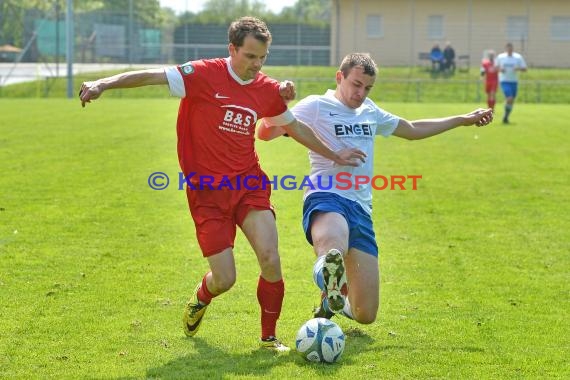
{"x": 350, "y": 157}
{"x": 480, "y": 117}
{"x": 89, "y": 91}
{"x": 287, "y": 91}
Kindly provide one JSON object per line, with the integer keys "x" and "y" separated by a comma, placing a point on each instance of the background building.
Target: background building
{"x": 396, "y": 32}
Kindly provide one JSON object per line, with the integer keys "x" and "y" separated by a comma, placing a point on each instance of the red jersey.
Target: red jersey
{"x": 490, "y": 70}
{"x": 217, "y": 116}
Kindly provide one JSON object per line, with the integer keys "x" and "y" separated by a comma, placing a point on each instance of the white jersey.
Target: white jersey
{"x": 509, "y": 63}
{"x": 339, "y": 127}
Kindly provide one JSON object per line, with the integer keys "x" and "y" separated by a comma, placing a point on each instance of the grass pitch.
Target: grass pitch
{"x": 95, "y": 267}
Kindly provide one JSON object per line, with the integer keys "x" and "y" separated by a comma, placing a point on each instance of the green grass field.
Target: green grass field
{"x": 95, "y": 267}
{"x": 394, "y": 84}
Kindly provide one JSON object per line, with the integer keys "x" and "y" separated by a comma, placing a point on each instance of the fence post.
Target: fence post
{"x": 478, "y": 91}
{"x": 418, "y": 90}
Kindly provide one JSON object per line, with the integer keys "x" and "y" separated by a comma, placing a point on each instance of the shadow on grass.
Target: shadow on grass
{"x": 211, "y": 362}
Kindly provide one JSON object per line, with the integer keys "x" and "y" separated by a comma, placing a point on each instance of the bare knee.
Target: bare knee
{"x": 270, "y": 263}
{"x": 223, "y": 282}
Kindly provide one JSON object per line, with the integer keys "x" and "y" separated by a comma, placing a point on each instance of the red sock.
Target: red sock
{"x": 204, "y": 294}
{"x": 491, "y": 104}
{"x": 270, "y": 296}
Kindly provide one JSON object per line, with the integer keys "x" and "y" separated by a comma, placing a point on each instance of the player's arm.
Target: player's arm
{"x": 93, "y": 90}
{"x": 521, "y": 67}
{"x": 267, "y": 132}
{"x": 421, "y": 129}
{"x": 301, "y": 133}
{"x": 287, "y": 91}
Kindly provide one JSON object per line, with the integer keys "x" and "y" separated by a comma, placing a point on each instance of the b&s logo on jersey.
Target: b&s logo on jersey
{"x": 237, "y": 119}
{"x": 187, "y": 68}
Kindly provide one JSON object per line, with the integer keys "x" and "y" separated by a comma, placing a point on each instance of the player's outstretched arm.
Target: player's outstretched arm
{"x": 303, "y": 134}
{"x": 93, "y": 90}
{"x": 421, "y": 129}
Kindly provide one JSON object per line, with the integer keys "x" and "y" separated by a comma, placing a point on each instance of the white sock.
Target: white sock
{"x": 347, "y": 311}
{"x": 318, "y": 272}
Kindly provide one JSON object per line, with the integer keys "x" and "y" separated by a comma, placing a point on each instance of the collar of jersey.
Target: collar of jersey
{"x": 234, "y": 75}
{"x": 330, "y": 94}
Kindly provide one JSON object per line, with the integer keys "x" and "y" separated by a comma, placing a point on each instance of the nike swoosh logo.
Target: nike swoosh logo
{"x": 195, "y": 325}
{"x": 333, "y": 114}
{"x": 218, "y": 96}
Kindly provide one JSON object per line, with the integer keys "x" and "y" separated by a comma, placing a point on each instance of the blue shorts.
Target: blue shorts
{"x": 360, "y": 231}
{"x": 509, "y": 89}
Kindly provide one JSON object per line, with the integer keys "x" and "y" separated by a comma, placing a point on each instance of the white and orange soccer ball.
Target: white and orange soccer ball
{"x": 320, "y": 340}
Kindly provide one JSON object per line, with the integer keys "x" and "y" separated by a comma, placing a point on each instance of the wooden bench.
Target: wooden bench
{"x": 463, "y": 63}
{"x": 425, "y": 60}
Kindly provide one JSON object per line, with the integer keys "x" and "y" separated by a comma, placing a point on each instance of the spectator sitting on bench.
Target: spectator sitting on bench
{"x": 448, "y": 58}
{"x": 436, "y": 56}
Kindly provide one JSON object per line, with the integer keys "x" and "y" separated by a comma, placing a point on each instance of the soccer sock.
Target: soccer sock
{"x": 508, "y": 110}
{"x": 491, "y": 103}
{"x": 204, "y": 295}
{"x": 270, "y": 297}
{"x": 347, "y": 311}
{"x": 318, "y": 272}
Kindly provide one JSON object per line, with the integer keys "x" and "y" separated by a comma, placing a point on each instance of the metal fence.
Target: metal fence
{"x": 403, "y": 90}
{"x": 124, "y": 37}
{"x": 445, "y": 91}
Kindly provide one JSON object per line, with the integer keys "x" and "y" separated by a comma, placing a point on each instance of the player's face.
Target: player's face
{"x": 354, "y": 89}
{"x": 248, "y": 59}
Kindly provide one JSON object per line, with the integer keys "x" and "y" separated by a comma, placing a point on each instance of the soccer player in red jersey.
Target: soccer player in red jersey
{"x": 491, "y": 74}
{"x": 221, "y": 101}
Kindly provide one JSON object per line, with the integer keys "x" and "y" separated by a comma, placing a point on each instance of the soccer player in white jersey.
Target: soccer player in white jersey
{"x": 509, "y": 64}
{"x": 338, "y": 223}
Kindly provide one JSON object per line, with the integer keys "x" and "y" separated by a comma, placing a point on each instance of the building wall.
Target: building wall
{"x": 472, "y": 26}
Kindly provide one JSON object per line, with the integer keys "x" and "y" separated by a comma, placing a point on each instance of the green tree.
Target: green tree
{"x": 225, "y": 11}
{"x": 308, "y": 11}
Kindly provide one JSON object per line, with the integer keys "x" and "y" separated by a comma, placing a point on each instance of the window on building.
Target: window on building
{"x": 374, "y": 27}
{"x": 435, "y": 27}
{"x": 517, "y": 28}
{"x": 560, "y": 28}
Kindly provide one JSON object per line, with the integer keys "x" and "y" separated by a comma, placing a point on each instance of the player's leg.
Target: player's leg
{"x": 491, "y": 89}
{"x": 220, "y": 279}
{"x": 215, "y": 232}
{"x": 511, "y": 98}
{"x": 329, "y": 232}
{"x": 491, "y": 100}
{"x": 260, "y": 229}
{"x": 509, "y": 89}
{"x": 364, "y": 291}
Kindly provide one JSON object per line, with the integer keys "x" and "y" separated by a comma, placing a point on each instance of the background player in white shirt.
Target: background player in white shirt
{"x": 337, "y": 221}
{"x": 509, "y": 64}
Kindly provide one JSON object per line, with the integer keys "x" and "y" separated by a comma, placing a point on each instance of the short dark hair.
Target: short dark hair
{"x": 245, "y": 26}
{"x": 363, "y": 60}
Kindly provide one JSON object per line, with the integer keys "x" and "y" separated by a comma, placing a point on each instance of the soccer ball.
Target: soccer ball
{"x": 320, "y": 340}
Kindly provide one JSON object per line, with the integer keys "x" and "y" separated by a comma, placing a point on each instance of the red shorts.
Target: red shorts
{"x": 216, "y": 212}
{"x": 491, "y": 87}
